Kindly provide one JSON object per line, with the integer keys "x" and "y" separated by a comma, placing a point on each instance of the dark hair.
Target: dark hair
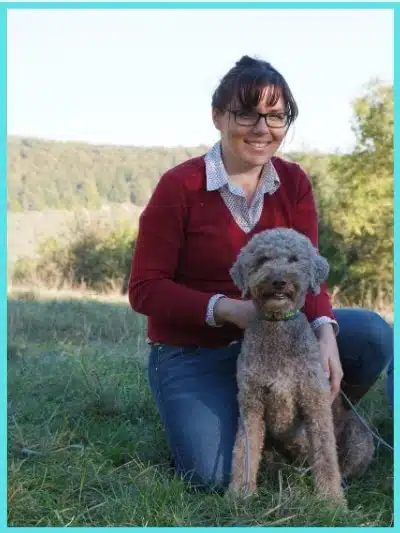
{"x": 245, "y": 83}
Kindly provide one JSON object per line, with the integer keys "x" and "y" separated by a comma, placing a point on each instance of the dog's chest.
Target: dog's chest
{"x": 278, "y": 351}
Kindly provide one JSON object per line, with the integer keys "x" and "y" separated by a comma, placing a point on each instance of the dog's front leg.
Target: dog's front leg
{"x": 323, "y": 456}
{"x": 248, "y": 445}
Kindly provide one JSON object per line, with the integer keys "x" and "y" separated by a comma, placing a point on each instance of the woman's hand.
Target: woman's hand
{"x": 237, "y": 312}
{"x": 330, "y": 357}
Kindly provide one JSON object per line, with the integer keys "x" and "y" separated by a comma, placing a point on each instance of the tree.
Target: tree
{"x": 363, "y": 213}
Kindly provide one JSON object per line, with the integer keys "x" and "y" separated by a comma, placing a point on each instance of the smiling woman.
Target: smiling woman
{"x": 199, "y": 217}
{"x": 253, "y": 108}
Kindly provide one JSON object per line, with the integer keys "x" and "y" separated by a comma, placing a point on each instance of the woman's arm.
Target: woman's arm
{"x": 152, "y": 290}
{"x": 330, "y": 356}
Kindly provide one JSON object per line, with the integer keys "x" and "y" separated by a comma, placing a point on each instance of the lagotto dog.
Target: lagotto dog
{"x": 284, "y": 394}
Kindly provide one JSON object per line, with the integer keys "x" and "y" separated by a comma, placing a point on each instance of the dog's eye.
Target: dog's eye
{"x": 263, "y": 260}
{"x": 293, "y": 259}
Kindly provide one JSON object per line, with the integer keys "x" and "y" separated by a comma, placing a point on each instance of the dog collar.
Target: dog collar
{"x": 277, "y": 317}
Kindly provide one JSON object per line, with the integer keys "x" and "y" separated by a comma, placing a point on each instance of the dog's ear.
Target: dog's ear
{"x": 319, "y": 271}
{"x": 237, "y": 273}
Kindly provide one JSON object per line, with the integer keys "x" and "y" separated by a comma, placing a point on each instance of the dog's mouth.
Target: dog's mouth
{"x": 275, "y": 292}
{"x": 277, "y": 296}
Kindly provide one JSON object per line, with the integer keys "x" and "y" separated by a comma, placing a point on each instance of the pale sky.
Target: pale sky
{"x": 146, "y": 77}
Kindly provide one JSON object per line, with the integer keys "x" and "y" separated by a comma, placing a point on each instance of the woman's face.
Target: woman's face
{"x": 244, "y": 145}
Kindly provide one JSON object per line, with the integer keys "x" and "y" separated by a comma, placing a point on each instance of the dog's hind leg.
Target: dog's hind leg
{"x": 356, "y": 448}
{"x": 248, "y": 446}
{"x": 323, "y": 458}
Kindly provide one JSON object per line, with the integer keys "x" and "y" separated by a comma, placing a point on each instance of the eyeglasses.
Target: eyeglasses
{"x": 273, "y": 119}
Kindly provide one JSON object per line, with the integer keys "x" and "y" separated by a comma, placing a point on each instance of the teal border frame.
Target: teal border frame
{"x": 199, "y": 5}
{"x": 4, "y": 7}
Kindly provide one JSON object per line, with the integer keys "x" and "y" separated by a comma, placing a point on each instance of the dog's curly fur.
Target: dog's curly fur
{"x": 284, "y": 394}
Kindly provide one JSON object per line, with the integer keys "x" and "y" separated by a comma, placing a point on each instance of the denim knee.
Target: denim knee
{"x": 365, "y": 344}
{"x": 380, "y": 337}
{"x": 205, "y": 480}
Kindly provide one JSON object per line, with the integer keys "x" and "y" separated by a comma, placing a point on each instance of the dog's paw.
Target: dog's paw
{"x": 240, "y": 491}
{"x": 336, "y": 501}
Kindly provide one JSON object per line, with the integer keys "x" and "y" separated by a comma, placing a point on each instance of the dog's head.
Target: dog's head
{"x": 276, "y": 269}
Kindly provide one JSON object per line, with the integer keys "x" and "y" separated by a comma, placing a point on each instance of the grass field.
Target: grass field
{"x": 85, "y": 444}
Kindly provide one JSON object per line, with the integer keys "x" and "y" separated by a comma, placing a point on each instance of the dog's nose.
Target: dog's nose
{"x": 279, "y": 284}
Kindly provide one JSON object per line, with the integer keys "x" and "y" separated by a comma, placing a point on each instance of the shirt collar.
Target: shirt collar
{"x": 217, "y": 176}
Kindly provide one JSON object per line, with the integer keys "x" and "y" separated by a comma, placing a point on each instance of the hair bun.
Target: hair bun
{"x": 246, "y": 61}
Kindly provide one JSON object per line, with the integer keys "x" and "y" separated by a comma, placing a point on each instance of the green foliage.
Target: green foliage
{"x": 67, "y": 175}
{"x": 362, "y": 213}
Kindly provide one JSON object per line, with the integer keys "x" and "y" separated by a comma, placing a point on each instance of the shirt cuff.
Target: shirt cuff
{"x": 210, "y": 320}
{"x": 325, "y": 320}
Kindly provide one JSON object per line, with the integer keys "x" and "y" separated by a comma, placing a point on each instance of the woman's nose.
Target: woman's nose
{"x": 261, "y": 126}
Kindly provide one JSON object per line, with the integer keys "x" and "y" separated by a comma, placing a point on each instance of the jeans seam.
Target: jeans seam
{"x": 156, "y": 366}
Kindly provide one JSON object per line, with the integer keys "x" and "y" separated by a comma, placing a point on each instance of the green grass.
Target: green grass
{"x": 86, "y": 447}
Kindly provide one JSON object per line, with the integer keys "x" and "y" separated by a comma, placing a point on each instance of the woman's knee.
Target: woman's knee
{"x": 380, "y": 337}
{"x": 365, "y": 344}
{"x": 205, "y": 478}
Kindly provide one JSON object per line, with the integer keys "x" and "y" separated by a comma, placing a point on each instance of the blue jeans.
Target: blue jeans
{"x": 195, "y": 392}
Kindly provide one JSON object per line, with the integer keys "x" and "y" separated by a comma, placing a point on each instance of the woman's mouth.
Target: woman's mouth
{"x": 257, "y": 145}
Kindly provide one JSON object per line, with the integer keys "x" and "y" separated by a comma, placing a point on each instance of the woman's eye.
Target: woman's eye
{"x": 277, "y": 116}
{"x": 248, "y": 114}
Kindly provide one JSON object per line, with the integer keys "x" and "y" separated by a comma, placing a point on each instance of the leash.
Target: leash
{"x": 362, "y": 420}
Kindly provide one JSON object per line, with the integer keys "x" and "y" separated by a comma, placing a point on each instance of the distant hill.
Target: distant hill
{"x": 59, "y": 175}
{"x": 65, "y": 175}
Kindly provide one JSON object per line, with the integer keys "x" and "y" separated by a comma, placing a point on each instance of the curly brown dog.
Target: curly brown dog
{"x": 284, "y": 394}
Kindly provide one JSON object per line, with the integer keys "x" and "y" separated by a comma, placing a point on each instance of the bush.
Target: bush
{"x": 94, "y": 257}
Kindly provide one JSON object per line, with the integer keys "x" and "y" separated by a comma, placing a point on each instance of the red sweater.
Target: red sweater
{"x": 188, "y": 241}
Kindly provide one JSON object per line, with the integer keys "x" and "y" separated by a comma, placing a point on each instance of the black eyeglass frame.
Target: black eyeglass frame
{"x": 264, "y": 116}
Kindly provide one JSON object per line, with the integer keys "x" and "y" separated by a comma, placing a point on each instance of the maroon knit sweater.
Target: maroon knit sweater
{"x": 188, "y": 241}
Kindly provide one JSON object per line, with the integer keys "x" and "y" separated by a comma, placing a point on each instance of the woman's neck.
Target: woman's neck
{"x": 247, "y": 177}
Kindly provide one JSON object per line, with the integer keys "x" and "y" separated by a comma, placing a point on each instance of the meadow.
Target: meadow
{"x": 85, "y": 444}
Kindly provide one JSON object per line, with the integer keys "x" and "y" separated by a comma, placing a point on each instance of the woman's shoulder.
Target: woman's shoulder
{"x": 189, "y": 174}
{"x": 293, "y": 179}
{"x": 288, "y": 169}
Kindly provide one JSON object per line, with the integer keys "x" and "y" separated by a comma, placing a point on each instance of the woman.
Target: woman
{"x": 200, "y": 215}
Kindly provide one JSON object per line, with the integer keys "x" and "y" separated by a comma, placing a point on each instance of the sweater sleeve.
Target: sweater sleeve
{"x": 161, "y": 235}
{"x": 306, "y": 222}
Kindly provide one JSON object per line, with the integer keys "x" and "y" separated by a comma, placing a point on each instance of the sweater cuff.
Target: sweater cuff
{"x": 325, "y": 320}
{"x": 210, "y": 320}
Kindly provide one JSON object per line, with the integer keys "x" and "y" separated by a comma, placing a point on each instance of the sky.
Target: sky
{"x": 146, "y": 77}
